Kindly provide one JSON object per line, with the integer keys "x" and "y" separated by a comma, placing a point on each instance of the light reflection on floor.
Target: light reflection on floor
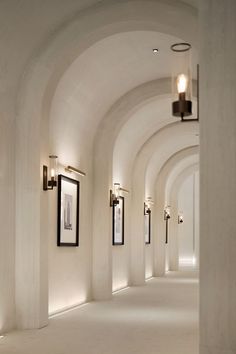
{"x": 158, "y": 318}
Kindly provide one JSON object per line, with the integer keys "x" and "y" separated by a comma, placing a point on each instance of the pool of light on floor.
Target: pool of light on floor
{"x": 120, "y": 290}
{"x": 63, "y": 312}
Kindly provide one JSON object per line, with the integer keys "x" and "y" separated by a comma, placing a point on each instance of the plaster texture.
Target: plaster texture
{"x": 46, "y": 69}
{"x": 161, "y": 317}
{"x": 58, "y": 66}
{"x": 217, "y": 177}
{"x": 188, "y": 238}
{"x": 180, "y": 160}
{"x": 174, "y": 248}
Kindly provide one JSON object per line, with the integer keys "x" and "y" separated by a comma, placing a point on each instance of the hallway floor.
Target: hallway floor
{"x": 160, "y": 318}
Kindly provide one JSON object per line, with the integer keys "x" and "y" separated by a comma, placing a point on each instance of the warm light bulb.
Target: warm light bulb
{"x": 182, "y": 82}
{"x": 117, "y": 189}
{"x": 52, "y": 173}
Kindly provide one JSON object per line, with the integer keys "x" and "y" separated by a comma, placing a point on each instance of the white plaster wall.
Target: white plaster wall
{"x": 23, "y": 34}
{"x": 197, "y": 217}
{"x": 70, "y": 268}
{"x": 188, "y": 235}
{"x": 37, "y": 88}
{"x": 120, "y": 266}
{"x": 7, "y": 216}
{"x": 217, "y": 177}
{"x": 121, "y": 253}
{"x": 149, "y": 260}
{"x": 163, "y": 195}
{"x": 149, "y": 251}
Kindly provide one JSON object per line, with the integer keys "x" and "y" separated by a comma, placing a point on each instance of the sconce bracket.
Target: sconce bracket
{"x": 166, "y": 215}
{"x": 113, "y": 200}
{"x": 147, "y": 210}
{"x": 52, "y": 184}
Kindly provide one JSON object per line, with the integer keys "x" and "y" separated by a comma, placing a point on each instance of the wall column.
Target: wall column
{"x": 159, "y": 241}
{"x": 102, "y": 224}
{"x": 137, "y": 249}
{"x": 217, "y": 177}
{"x": 173, "y": 236}
{"x": 31, "y": 247}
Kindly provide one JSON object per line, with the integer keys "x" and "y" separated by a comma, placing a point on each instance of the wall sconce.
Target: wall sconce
{"x": 75, "y": 170}
{"x": 180, "y": 218}
{"x": 147, "y": 206}
{"x": 115, "y": 194}
{"x": 182, "y": 82}
{"x": 51, "y": 182}
{"x": 167, "y": 213}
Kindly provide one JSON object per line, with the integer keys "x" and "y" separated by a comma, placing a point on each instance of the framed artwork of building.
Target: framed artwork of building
{"x": 118, "y": 223}
{"x": 147, "y": 228}
{"x": 68, "y": 212}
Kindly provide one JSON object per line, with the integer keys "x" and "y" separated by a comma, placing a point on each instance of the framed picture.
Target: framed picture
{"x": 118, "y": 223}
{"x": 147, "y": 228}
{"x": 68, "y": 212}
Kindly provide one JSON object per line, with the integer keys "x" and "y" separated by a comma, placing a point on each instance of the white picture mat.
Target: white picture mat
{"x": 118, "y": 223}
{"x": 146, "y": 228}
{"x": 68, "y": 188}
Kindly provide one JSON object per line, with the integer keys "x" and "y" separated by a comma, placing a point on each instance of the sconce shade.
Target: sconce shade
{"x": 147, "y": 209}
{"x": 180, "y": 218}
{"x": 182, "y": 81}
{"x": 115, "y": 194}
{"x": 167, "y": 213}
{"x": 51, "y": 182}
{"x": 147, "y": 205}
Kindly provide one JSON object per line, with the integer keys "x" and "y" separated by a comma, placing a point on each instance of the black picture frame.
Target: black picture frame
{"x": 118, "y": 223}
{"x": 147, "y": 228}
{"x": 68, "y": 212}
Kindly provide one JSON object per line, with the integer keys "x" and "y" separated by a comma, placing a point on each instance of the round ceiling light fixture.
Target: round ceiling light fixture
{"x": 181, "y": 47}
{"x": 155, "y": 50}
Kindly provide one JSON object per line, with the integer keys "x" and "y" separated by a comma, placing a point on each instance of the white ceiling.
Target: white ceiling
{"x": 26, "y": 24}
{"x": 105, "y": 72}
{"x": 98, "y": 77}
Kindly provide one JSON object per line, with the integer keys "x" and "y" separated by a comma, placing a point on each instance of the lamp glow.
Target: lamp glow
{"x": 115, "y": 195}
{"x": 75, "y": 170}
{"x": 182, "y": 82}
{"x": 117, "y": 190}
{"x": 50, "y": 184}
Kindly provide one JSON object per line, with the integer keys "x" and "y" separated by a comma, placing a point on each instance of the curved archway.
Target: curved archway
{"x": 159, "y": 148}
{"x": 177, "y": 159}
{"x": 181, "y": 177}
{"x": 34, "y": 104}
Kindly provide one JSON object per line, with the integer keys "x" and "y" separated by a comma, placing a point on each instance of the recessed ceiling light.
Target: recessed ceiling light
{"x": 155, "y": 50}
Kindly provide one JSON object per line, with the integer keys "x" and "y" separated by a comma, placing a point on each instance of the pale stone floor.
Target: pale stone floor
{"x": 160, "y": 318}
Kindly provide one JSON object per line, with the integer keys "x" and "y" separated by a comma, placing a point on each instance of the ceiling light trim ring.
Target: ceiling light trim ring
{"x": 176, "y": 47}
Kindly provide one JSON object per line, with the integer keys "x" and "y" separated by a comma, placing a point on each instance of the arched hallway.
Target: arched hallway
{"x": 160, "y": 317}
{"x": 103, "y": 184}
